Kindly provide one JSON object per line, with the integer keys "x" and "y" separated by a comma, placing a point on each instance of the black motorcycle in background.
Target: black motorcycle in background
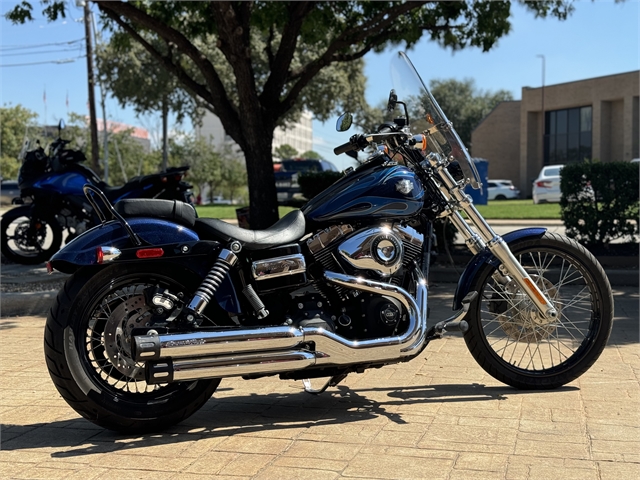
{"x": 52, "y": 200}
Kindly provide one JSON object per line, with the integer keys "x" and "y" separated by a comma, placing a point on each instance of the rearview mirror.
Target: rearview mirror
{"x": 344, "y": 122}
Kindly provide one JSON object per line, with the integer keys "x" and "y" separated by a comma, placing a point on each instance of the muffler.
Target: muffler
{"x": 189, "y": 356}
{"x": 227, "y": 366}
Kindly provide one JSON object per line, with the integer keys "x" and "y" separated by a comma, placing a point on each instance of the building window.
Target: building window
{"x": 567, "y": 136}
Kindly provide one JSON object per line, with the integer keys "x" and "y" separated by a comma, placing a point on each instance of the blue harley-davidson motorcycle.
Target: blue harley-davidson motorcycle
{"x": 52, "y": 200}
{"x": 162, "y": 304}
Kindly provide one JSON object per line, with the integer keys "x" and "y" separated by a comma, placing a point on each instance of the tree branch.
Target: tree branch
{"x": 289, "y": 40}
{"x": 376, "y": 26}
{"x": 217, "y": 94}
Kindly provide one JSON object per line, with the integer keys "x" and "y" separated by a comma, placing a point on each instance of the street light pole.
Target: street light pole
{"x": 542, "y": 106}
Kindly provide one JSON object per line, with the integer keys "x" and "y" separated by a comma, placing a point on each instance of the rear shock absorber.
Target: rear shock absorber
{"x": 207, "y": 289}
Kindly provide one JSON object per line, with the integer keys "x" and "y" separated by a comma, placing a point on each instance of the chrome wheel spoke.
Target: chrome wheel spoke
{"x": 514, "y": 329}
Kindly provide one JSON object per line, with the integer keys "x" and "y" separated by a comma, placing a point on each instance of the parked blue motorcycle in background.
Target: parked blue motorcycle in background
{"x": 162, "y": 305}
{"x": 52, "y": 200}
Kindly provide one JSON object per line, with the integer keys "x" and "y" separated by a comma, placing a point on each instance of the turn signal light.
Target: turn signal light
{"x": 150, "y": 253}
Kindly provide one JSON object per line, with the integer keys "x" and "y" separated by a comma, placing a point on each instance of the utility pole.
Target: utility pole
{"x": 93, "y": 124}
{"x": 105, "y": 130}
{"x": 542, "y": 106}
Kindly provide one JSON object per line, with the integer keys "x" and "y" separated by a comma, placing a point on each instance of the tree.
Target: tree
{"x": 311, "y": 154}
{"x": 464, "y": 105}
{"x": 234, "y": 175}
{"x": 127, "y": 157}
{"x": 258, "y": 64}
{"x": 134, "y": 77}
{"x": 285, "y": 151}
{"x": 204, "y": 162}
{"x": 15, "y": 123}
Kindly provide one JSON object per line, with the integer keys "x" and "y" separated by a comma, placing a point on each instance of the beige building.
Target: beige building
{"x": 588, "y": 119}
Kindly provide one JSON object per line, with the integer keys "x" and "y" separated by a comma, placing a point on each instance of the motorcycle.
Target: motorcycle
{"x": 162, "y": 305}
{"x": 52, "y": 200}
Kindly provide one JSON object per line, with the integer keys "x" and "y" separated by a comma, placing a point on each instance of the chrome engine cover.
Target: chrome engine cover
{"x": 377, "y": 249}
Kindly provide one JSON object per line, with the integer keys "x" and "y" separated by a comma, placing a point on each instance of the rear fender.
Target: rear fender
{"x": 179, "y": 245}
{"x": 478, "y": 261}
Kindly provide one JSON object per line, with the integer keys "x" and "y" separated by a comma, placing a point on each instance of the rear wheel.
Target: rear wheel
{"x": 29, "y": 241}
{"x": 88, "y": 353}
{"x": 516, "y": 345}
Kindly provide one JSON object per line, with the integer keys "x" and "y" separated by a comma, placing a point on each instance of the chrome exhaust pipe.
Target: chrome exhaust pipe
{"x": 227, "y": 366}
{"x": 224, "y": 342}
{"x": 269, "y": 350}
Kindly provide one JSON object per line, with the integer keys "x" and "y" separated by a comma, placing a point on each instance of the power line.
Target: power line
{"x": 25, "y": 47}
{"x": 2, "y": 54}
{"x": 64, "y": 60}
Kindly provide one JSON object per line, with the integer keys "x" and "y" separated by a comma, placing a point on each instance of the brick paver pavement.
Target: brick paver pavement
{"x": 439, "y": 416}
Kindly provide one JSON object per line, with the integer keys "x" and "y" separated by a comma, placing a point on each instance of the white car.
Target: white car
{"x": 501, "y": 190}
{"x": 546, "y": 188}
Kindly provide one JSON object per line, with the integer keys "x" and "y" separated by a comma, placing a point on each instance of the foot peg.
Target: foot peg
{"x": 442, "y": 327}
{"x": 332, "y": 382}
{"x": 455, "y": 323}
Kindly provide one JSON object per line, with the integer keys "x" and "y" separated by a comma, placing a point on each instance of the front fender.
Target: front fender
{"x": 474, "y": 265}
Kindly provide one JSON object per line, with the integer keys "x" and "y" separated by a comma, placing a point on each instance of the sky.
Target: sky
{"x": 599, "y": 38}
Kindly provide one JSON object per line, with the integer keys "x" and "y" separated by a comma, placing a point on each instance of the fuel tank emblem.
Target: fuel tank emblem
{"x": 404, "y": 186}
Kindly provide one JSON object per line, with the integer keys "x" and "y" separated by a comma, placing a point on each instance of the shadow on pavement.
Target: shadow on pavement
{"x": 235, "y": 415}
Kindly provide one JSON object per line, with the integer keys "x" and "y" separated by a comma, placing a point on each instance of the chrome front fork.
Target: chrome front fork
{"x": 485, "y": 237}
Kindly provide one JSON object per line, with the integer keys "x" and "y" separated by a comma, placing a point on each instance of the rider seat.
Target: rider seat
{"x": 289, "y": 228}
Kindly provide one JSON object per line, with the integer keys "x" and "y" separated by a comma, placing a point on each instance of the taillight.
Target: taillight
{"x": 150, "y": 253}
{"x": 49, "y": 268}
{"x": 543, "y": 184}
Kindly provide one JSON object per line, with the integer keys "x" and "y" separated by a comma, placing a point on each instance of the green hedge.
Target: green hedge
{"x": 600, "y": 201}
{"x": 312, "y": 183}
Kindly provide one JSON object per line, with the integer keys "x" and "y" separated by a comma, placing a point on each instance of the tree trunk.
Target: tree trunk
{"x": 262, "y": 187}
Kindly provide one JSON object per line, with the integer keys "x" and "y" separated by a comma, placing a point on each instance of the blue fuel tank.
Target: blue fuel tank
{"x": 368, "y": 194}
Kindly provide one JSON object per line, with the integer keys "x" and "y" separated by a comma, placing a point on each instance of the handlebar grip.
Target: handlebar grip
{"x": 345, "y": 147}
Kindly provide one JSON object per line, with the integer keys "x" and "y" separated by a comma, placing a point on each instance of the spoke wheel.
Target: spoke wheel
{"x": 27, "y": 242}
{"x": 518, "y": 346}
{"x": 88, "y": 349}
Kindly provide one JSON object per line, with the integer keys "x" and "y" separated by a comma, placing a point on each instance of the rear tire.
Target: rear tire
{"x": 22, "y": 245}
{"x": 84, "y": 334}
{"x": 516, "y": 346}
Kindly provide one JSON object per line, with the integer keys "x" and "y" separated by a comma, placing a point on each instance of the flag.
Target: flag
{"x": 67, "y": 100}
{"x": 44, "y": 96}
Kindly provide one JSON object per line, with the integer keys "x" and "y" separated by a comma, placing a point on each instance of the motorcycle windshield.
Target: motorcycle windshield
{"x": 426, "y": 116}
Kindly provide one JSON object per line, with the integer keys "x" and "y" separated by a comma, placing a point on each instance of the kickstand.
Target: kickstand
{"x": 332, "y": 382}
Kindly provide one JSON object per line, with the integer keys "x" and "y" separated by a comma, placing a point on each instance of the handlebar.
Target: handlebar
{"x": 345, "y": 147}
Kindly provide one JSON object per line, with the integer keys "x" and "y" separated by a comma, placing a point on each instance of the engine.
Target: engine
{"x": 381, "y": 253}
{"x": 377, "y": 252}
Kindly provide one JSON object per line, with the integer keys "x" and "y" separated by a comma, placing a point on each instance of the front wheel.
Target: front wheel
{"x": 27, "y": 240}
{"x": 87, "y": 348}
{"x": 517, "y": 346}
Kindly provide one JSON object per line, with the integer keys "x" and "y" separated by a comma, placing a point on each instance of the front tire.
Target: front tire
{"x": 88, "y": 357}
{"x": 29, "y": 242}
{"x": 515, "y": 345}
